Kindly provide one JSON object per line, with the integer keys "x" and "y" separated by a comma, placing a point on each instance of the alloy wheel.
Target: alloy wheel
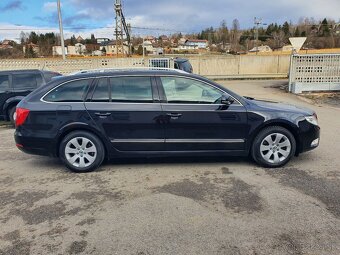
{"x": 275, "y": 148}
{"x": 80, "y": 152}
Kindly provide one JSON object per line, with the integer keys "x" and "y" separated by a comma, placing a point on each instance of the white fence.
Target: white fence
{"x": 210, "y": 66}
{"x": 317, "y": 72}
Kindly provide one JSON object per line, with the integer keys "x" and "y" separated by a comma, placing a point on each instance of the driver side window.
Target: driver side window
{"x": 187, "y": 91}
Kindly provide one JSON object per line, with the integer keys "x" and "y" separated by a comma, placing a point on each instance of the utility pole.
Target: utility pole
{"x": 61, "y": 31}
{"x": 119, "y": 28}
{"x": 257, "y": 22}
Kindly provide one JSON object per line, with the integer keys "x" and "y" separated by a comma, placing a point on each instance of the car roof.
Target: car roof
{"x": 127, "y": 72}
{"x": 21, "y": 71}
{"x": 131, "y": 72}
{"x": 181, "y": 60}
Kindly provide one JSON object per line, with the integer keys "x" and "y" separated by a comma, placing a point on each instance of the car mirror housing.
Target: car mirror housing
{"x": 227, "y": 100}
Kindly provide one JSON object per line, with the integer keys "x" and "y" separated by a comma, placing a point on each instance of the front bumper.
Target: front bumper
{"x": 309, "y": 136}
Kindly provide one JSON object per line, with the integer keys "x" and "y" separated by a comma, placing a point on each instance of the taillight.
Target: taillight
{"x": 21, "y": 117}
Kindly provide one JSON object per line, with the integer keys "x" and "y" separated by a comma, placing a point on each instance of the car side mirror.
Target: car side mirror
{"x": 227, "y": 100}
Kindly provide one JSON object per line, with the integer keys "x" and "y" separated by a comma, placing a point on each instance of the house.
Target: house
{"x": 164, "y": 38}
{"x": 34, "y": 47}
{"x": 148, "y": 46}
{"x": 287, "y": 48}
{"x": 151, "y": 39}
{"x": 90, "y": 47}
{"x": 78, "y": 49}
{"x": 57, "y": 51}
{"x": 158, "y": 51}
{"x": 101, "y": 40}
{"x": 262, "y": 48}
{"x": 193, "y": 44}
{"x": 80, "y": 39}
{"x": 111, "y": 48}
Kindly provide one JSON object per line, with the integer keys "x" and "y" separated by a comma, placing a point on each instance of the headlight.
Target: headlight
{"x": 312, "y": 119}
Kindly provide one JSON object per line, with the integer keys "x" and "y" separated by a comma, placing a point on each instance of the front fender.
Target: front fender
{"x": 293, "y": 127}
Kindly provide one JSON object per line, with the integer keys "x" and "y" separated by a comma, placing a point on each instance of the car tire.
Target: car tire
{"x": 273, "y": 147}
{"x": 12, "y": 114}
{"x": 81, "y": 152}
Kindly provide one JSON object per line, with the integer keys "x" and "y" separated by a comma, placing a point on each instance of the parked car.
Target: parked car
{"x": 86, "y": 118}
{"x": 179, "y": 63}
{"x": 183, "y": 64}
{"x": 15, "y": 85}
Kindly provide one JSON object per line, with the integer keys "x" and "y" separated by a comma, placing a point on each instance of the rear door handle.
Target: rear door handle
{"x": 103, "y": 114}
{"x": 174, "y": 116}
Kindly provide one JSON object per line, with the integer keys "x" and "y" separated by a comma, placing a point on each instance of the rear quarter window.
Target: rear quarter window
{"x": 74, "y": 91}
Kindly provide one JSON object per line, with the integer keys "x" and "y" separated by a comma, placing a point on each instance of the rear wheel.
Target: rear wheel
{"x": 81, "y": 151}
{"x": 273, "y": 147}
{"x": 12, "y": 114}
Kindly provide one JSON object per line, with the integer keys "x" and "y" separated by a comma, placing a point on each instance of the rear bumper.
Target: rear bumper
{"x": 35, "y": 145}
{"x": 309, "y": 137}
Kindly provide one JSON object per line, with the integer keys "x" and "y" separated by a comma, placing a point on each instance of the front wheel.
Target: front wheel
{"x": 81, "y": 152}
{"x": 273, "y": 147}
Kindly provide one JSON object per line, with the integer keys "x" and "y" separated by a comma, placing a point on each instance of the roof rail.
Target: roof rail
{"x": 118, "y": 69}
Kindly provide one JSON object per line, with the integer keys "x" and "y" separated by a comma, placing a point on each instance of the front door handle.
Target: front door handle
{"x": 174, "y": 116}
{"x": 103, "y": 114}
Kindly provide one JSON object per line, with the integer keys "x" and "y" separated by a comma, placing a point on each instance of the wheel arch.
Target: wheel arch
{"x": 13, "y": 101}
{"x": 73, "y": 127}
{"x": 281, "y": 123}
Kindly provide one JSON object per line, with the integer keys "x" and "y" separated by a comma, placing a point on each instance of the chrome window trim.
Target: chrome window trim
{"x": 178, "y": 140}
{"x": 44, "y": 101}
{"x": 135, "y": 75}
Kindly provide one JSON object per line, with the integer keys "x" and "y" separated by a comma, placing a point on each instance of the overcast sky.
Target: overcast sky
{"x": 172, "y": 15}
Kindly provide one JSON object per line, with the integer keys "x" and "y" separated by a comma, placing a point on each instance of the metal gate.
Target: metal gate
{"x": 314, "y": 72}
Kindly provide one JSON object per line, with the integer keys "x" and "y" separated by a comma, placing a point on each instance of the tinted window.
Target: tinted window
{"x": 4, "y": 82}
{"x": 131, "y": 89}
{"x": 70, "y": 92}
{"x": 101, "y": 93}
{"x": 188, "y": 91}
{"x": 186, "y": 66}
{"x": 26, "y": 81}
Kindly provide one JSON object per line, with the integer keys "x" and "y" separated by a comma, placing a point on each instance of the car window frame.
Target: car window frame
{"x": 9, "y": 88}
{"x": 154, "y": 86}
{"x": 165, "y": 101}
{"x": 35, "y": 74}
{"x": 90, "y": 86}
{"x": 95, "y": 84}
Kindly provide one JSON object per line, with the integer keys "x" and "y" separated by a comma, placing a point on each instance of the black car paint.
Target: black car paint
{"x": 11, "y": 97}
{"x": 156, "y": 132}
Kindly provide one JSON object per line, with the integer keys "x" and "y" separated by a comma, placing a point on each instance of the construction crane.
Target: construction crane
{"x": 122, "y": 28}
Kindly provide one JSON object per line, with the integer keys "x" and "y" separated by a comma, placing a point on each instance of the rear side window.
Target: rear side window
{"x": 26, "y": 81}
{"x": 74, "y": 91}
{"x": 101, "y": 93}
{"x": 4, "y": 83}
{"x": 131, "y": 89}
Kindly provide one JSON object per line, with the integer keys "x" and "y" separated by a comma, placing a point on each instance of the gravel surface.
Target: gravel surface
{"x": 175, "y": 205}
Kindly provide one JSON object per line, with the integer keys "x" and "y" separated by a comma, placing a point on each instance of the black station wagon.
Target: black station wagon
{"x": 86, "y": 118}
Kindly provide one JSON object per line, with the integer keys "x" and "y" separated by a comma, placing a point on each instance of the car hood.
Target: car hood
{"x": 277, "y": 106}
